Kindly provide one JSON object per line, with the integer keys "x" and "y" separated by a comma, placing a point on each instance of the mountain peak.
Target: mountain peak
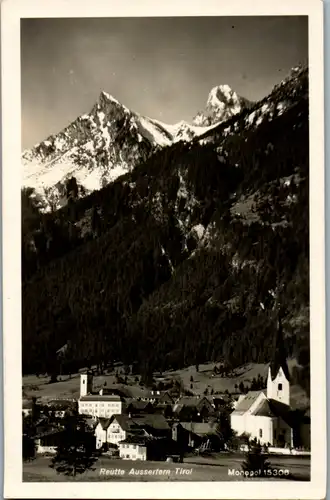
{"x": 105, "y": 96}
{"x": 222, "y": 103}
{"x": 222, "y": 94}
{"x": 107, "y": 101}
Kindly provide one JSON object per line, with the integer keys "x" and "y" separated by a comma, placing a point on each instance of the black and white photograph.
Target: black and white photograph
{"x": 165, "y": 259}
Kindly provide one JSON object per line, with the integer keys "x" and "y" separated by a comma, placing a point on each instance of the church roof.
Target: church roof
{"x": 245, "y": 404}
{"x": 272, "y": 408}
{"x": 282, "y": 410}
{"x": 264, "y": 410}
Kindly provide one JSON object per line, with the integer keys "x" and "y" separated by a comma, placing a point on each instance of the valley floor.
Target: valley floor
{"x": 218, "y": 467}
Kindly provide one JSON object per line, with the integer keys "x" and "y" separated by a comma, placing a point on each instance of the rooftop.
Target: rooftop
{"x": 245, "y": 404}
{"x": 264, "y": 410}
{"x": 139, "y": 439}
{"x": 61, "y": 403}
{"x": 153, "y": 421}
{"x": 192, "y": 401}
{"x": 98, "y": 397}
{"x": 200, "y": 428}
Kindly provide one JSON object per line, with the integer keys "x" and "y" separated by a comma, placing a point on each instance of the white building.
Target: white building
{"x": 113, "y": 430}
{"x": 101, "y": 432}
{"x": 133, "y": 448}
{"x": 265, "y": 415}
{"x": 100, "y": 406}
{"x": 120, "y": 427}
{"x": 97, "y": 404}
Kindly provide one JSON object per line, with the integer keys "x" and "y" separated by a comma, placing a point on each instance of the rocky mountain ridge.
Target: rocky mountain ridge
{"x": 102, "y": 145}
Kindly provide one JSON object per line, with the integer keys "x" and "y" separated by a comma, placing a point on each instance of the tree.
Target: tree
{"x": 28, "y": 444}
{"x": 75, "y": 453}
{"x": 241, "y": 387}
{"x": 28, "y": 448}
{"x": 147, "y": 376}
{"x": 72, "y": 188}
{"x": 224, "y": 430}
{"x": 256, "y": 460}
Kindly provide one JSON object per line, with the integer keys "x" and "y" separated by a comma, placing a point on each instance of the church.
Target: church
{"x": 266, "y": 414}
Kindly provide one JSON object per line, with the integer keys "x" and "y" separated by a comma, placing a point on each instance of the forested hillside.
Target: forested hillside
{"x": 187, "y": 258}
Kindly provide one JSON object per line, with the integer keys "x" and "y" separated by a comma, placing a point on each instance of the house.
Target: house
{"x": 162, "y": 398}
{"x": 193, "y": 408}
{"x": 266, "y": 415}
{"x": 119, "y": 427}
{"x": 60, "y": 407}
{"x": 142, "y": 447}
{"x": 163, "y": 404}
{"x": 135, "y": 407}
{"x": 195, "y": 434}
{"x": 101, "y": 432}
{"x": 97, "y": 404}
{"x": 222, "y": 402}
{"x": 48, "y": 440}
{"x": 133, "y": 448}
{"x": 115, "y": 429}
{"x": 165, "y": 410}
{"x": 154, "y": 424}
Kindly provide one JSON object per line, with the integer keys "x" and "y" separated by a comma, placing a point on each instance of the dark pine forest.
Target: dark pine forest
{"x": 125, "y": 274}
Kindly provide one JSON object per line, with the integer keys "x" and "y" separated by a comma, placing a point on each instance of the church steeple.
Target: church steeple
{"x": 278, "y": 382}
{"x": 279, "y": 356}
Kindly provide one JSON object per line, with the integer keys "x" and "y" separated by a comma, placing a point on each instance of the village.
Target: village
{"x": 133, "y": 423}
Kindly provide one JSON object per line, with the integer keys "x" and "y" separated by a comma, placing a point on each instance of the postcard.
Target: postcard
{"x": 163, "y": 249}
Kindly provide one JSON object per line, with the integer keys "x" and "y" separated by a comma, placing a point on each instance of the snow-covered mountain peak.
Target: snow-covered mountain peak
{"x": 222, "y": 103}
{"x": 105, "y": 99}
{"x": 220, "y": 95}
{"x": 108, "y": 142}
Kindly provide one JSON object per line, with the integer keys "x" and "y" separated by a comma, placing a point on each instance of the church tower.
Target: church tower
{"x": 279, "y": 387}
{"x": 278, "y": 381}
{"x": 86, "y": 383}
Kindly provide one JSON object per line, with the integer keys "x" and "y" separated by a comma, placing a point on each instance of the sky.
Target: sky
{"x": 160, "y": 67}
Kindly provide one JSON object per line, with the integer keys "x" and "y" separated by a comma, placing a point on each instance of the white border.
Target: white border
{"x": 11, "y": 12}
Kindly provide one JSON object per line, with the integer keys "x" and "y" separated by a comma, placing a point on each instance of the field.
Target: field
{"x": 216, "y": 468}
{"x": 203, "y": 379}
